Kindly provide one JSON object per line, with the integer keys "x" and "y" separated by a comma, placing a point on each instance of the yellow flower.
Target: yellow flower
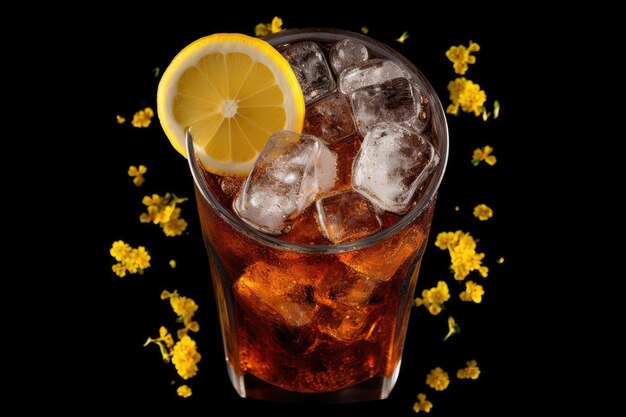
{"x": 120, "y": 119}
{"x": 467, "y": 95}
{"x": 483, "y": 154}
{"x": 446, "y": 240}
{"x": 471, "y": 372}
{"x": 184, "y": 307}
{"x": 166, "y": 337}
{"x": 119, "y": 269}
{"x": 132, "y": 260}
{"x": 403, "y": 37}
{"x": 143, "y": 118}
{"x": 483, "y": 212}
{"x": 163, "y": 211}
{"x": 174, "y": 226}
{"x": 438, "y": 379}
{"x": 184, "y": 391}
{"x": 501, "y": 260}
{"x": 463, "y": 257}
{"x": 473, "y": 292}
{"x": 364, "y": 30}
{"x": 133, "y": 171}
{"x": 453, "y": 328}
{"x": 422, "y": 404}
{"x": 434, "y": 298}
{"x": 172, "y": 263}
{"x": 460, "y": 56}
{"x": 263, "y": 29}
{"x": 185, "y": 357}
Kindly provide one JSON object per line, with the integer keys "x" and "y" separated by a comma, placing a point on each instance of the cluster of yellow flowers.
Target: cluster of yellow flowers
{"x": 163, "y": 211}
{"x": 434, "y": 298}
{"x": 141, "y": 118}
{"x": 129, "y": 259}
{"x": 263, "y": 29}
{"x": 463, "y": 255}
{"x": 465, "y": 94}
{"x": 483, "y": 212}
{"x": 184, "y": 353}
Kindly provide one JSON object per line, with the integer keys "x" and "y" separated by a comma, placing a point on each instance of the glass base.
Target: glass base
{"x": 376, "y": 388}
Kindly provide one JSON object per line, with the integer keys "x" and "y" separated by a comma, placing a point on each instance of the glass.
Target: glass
{"x": 317, "y": 322}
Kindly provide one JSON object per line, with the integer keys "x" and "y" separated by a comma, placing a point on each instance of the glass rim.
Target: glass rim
{"x": 438, "y": 120}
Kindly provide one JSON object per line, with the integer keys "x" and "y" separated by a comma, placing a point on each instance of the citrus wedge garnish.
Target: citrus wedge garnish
{"x": 232, "y": 92}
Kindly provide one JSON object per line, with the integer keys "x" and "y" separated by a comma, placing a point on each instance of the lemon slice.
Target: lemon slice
{"x": 232, "y": 91}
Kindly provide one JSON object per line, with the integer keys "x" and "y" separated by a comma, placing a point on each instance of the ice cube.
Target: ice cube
{"x": 330, "y": 118}
{"x": 311, "y": 68}
{"x": 392, "y": 164}
{"x": 421, "y": 121}
{"x": 391, "y": 101}
{"x": 285, "y": 180}
{"x": 346, "y": 217}
{"x": 347, "y": 53}
{"x": 278, "y": 294}
{"x": 374, "y": 71}
{"x": 350, "y": 304}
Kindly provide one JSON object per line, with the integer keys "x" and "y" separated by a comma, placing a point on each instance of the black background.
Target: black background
{"x": 118, "y": 373}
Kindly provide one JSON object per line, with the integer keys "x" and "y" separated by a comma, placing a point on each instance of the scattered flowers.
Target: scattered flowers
{"x": 184, "y": 353}
{"x": 137, "y": 174}
{"x": 131, "y": 260}
{"x": 483, "y": 212}
{"x": 467, "y": 95}
{"x": 460, "y": 56}
{"x": 184, "y": 391}
{"x": 263, "y": 29}
{"x": 434, "y": 298}
{"x": 463, "y": 255}
{"x": 438, "y": 379}
{"x": 422, "y": 404}
{"x": 120, "y": 119}
{"x": 163, "y": 211}
{"x": 471, "y": 372}
{"x": 473, "y": 292}
{"x": 403, "y": 37}
{"x": 453, "y": 328}
{"x": 483, "y": 154}
{"x": 143, "y": 118}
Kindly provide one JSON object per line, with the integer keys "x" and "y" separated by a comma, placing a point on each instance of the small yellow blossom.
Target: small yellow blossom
{"x": 120, "y": 119}
{"x": 460, "y": 56}
{"x": 422, "y": 404}
{"x": 463, "y": 256}
{"x": 434, "y": 298}
{"x": 143, "y": 118}
{"x": 163, "y": 211}
{"x": 453, "y": 328}
{"x": 137, "y": 173}
{"x": 365, "y": 30}
{"x": 483, "y": 212}
{"x": 457, "y": 208}
{"x": 184, "y": 391}
{"x": 165, "y": 341}
{"x": 471, "y": 372}
{"x": 467, "y": 95}
{"x": 263, "y": 29}
{"x": 438, "y": 379}
{"x": 166, "y": 336}
{"x": 184, "y": 307}
{"x": 483, "y": 154}
{"x": 185, "y": 357}
{"x": 500, "y": 260}
{"x": 132, "y": 260}
{"x": 473, "y": 292}
{"x": 403, "y": 37}
{"x": 172, "y": 263}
